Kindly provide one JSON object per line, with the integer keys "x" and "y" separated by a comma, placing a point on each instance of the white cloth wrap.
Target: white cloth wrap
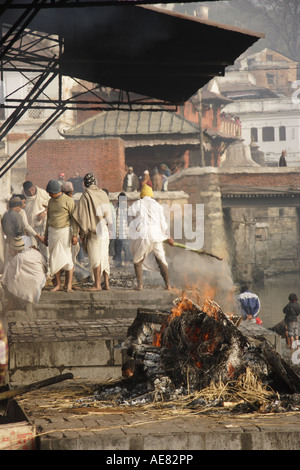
{"x": 25, "y": 275}
{"x": 147, "y": 233}
{"x": 98, "y": 248}
{"x": 60, "y": 249}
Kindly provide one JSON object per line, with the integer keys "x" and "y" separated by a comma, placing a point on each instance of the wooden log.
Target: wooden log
{"x": 34, "y": 386}
{"x": 147, "y": 316}
{"x": 280, "y": 367}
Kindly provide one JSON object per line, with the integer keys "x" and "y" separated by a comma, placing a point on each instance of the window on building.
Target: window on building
{"x": 282, "y": 133}
{"x": 270, "y": 78}
{"x": 268, "y": 134}
{"x": 254, "y": 134}
{"x": 269, "y": 57}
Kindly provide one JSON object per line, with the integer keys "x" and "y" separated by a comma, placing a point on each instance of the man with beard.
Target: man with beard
{"x": 93, "y": 216}
{"x": 36, "y": 210}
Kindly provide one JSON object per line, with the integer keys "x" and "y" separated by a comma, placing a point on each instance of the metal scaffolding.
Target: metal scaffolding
{"x": 149, "y": 50}
{"x": 29, "y": 53}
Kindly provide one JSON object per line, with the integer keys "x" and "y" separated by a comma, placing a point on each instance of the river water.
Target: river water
{"x": 273, "y": 294}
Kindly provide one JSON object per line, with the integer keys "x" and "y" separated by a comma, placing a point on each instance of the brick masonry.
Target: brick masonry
{"x": 104, "y": 157}
{"x": 288, "y": 178}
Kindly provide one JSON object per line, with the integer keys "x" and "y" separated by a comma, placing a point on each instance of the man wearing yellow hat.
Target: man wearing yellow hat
{"x": 148, "y": 230}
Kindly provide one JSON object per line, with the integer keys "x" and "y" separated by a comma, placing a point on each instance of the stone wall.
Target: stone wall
{"x": 202, "y": 185}
{"x": 266, "y": 241}
{"x": 258, "y": 242}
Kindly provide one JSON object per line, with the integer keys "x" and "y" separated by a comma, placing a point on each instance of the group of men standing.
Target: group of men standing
{"x": 43, "y": 229}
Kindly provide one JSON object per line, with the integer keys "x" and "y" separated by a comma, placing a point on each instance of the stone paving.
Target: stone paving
{"x": 72, "y": 427}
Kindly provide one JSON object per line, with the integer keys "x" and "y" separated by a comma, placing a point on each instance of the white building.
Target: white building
{"x": 271, "y": 121}
{"x": 273, "y": 124}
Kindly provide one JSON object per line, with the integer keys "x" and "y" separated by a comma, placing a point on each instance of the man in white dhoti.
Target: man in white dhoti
{"x": 24, "y": 275}
{"x": 148, "y": 230}
{"x": 36, "y": 210}
{"x": 93, "y": 216}
{"x": 60, "y": 235}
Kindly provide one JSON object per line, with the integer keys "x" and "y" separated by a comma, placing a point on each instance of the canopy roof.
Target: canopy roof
{"x": 142, "y": 49}
{"x": 142, "y": 127}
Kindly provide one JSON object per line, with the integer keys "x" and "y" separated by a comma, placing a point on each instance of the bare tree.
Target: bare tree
{"x": 279, "y": 20}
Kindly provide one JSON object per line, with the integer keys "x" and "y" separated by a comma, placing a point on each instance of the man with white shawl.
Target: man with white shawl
{"x": 24, "y": 275}
{"x": 93, "y": 216}
{"x": 148, "y": 230}
{"x": 60, "y": 235}
{"x": 36, "y": 210}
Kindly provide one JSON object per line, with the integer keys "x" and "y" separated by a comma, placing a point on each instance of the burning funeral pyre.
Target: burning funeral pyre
{"x": 191, "y": 349}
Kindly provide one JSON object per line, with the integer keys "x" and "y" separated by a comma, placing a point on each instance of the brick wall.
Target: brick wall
{"x": 104, "y": 157}
{"x": 264, "y": 178}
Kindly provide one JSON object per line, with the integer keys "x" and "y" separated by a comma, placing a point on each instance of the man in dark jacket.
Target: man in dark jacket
{"x": 292, "y": 311}
{"x": 282, "y": 160}
{"x": 131, "y": 181}
{"x": 12, "y": 223}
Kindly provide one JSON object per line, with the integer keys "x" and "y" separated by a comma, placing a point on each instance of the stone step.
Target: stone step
{"x": 113, "y": 303}
{"x": 42, "y": 349}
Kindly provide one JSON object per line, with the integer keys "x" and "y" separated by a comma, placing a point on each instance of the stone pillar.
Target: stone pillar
{"x": 202, "y": 185}
{"x": 238, "y": 155}
{"x": 241, "y": 229}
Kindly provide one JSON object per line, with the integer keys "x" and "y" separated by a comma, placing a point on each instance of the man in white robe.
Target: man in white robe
{"x": 37, "y": 200}
{"x": 24, "y": 275}
{"x": 93, "y": 216}
{"x": 148, "y": 230}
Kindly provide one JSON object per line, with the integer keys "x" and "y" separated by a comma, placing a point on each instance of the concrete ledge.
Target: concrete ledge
{"x": 42, "y": 349}
{"x": 114, "y": 303}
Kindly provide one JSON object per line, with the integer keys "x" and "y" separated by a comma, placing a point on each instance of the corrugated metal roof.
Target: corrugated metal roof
{"x": 128, "y": 124}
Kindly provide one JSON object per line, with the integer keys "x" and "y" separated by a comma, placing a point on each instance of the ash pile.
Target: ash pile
{"x": 200, "y": 353}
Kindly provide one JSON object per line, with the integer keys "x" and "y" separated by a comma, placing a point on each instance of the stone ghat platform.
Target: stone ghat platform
{"x": 41, "y": 348}
{"x": 117, "y": 302}
{"x": 88, "y": 348}
{"x": 81, "y": 332}
{"x": 135, "y": 431}
{"x": 76, "y": 332}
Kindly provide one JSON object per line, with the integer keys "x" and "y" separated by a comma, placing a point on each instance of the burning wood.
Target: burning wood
{"x": 196, "y": 358}
{"x": 195, "y": 346}
{"x": 192, "y": 346}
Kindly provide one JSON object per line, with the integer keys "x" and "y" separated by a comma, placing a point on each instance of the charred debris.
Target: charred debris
{"x": 196, "y": 359}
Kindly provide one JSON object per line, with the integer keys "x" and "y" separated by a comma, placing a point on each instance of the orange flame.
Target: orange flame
{"x": 186, "y": 303}
{"x": 231, "y": 370}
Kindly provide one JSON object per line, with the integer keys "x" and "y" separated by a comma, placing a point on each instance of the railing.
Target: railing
{"x": 230, "y": 125}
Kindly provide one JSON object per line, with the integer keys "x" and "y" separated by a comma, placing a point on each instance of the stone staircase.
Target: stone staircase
{"x": 75, "y": 332}
{"x": 81, "y": 332}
